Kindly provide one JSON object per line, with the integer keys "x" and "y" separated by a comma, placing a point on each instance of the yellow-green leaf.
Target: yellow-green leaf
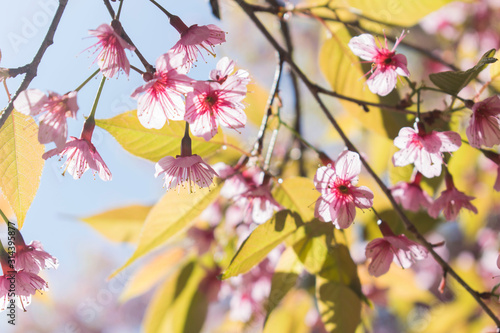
{"x": 339, "y": 306}
{"x": 299, "y": 195}
{"x": 153, "y": 144}
{"x": 404, "y": 13}
{"x": 179, "y": 306}
{"x": 148, "y": 275}
{"x": 454, "y": 81}
{"x": 284, "y": 278}
{"x": 121, "y": 224}
{"x": 21, "y": 163}
{"x": 261, "y": 241}
{"x": 291, "y": 316}
{"x": 169, "y": 216}
{"x": 343, "y": 71}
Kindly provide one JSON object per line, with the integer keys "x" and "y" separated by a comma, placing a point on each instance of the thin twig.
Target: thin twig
{"x": 32, "y": 68}
{"x": 406, "y": 221}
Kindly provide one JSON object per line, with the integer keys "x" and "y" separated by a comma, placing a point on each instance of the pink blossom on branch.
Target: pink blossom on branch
{"x": 111, "y": 46}
{"x": 211, "y": 104}
{"x": 185, "y": 169}
{"x": 194, "y": 38}
{"x": 53, "y": 110}
{"x": 423, "y": 149}
{"x": 162, "y": 97}
{"x": 224, "y": 71}
{"x": 410, "y": 195}
{"x": 25, "y": 285}
{"x": 339, "y": 194}
{"x": 383, "y": 251}
{"x": 484, "y": 125}
{"x": 82, "y": 155}
{"x": 32, "y": 258}
{"x": 387, "y": 65}
{"x": 451, "y": 201}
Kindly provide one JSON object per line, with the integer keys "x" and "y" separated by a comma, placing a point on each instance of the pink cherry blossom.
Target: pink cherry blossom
{"x": 259, "y": 204}
{"x": 451, "y": 201}
{"x": 211, "y": 104}
{"x": 410, "y": 195}
{"x": 484, "y": 125}
{"x": 194, "y": 38}
{"x": 185, "y": 169}
{"x": 399, "y": 249}
{"x": 423, "y": 149}
{"x": 339, "y": 194}
{"x": 387, "y": 65}
{"x": 25, "y": 285}
{"x": 224, "y": 71}
{"x": 53, "y": 110}
{"x": 162, "y": 97}
{"x": 82, "y": 155}
{"x": 112, "y": 47}
{"x": 32, "y": 258}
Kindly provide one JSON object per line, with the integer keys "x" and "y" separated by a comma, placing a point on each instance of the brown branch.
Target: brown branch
{"x": 406, "y": 221}
{"x": 31, "y": 69}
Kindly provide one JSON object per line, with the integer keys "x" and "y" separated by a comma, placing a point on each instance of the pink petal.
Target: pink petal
{"x": 322, "y": 210}
{"x": 380, "y": 252}
{"x": 382, "y": 83}
{"x": 364, "y": 46}
{"x": 348, "y": 166}
{"x": 30, "y": 102}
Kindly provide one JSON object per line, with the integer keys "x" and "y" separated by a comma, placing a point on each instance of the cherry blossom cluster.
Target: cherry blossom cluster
{"x": 21, "y": 267}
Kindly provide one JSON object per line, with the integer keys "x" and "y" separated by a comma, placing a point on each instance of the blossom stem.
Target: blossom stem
{"x": 137, "y": 69}
{"x": 186, "y": 143}
{"x": 4, "y": 217}
{"x": 87, "y": 80}
{"x": 270, "y": 148}
{"x": 117, "y": 17}
{"x": 6, "y": 89}
{"x": 166, "y": 12}
{"x": 96, "y": 100}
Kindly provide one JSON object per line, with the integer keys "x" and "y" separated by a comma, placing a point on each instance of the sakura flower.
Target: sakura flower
{"x": 410, "y": 195}
{"x": 24, "y": 284}
{"x": 194, "y": 38}
{"x": 82, "y": 155}
{"x": 211, "y": 104}
{"x": 387, "y": 65}
{"x": 53, "y": 110}
{"x": 339, "y": 194}
{"x": 162, "y": 97}
{"x": 259, "y": 204}
{"x": 224, "y": 71}
{"x": 185, "y": 169}
{"x": 451, "y": 201}
{"x": 423, "y": 149}
{"x": 484, "y": 125}
{"x": 32, "y": 258}
{"x": 399, "y": 249}
{"x": 112, "y": 47}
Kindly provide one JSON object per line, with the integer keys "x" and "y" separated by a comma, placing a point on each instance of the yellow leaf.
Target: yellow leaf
{"x": 121, "y": 224}
{"x": 290, "y": 317}
{"x": 169, "y": 216}
{"x": 153, "y": 144}
{"x": 256, "y": 100}
{"x": 261, "y": 241}
{"x": 342, "y": 69}
{"x": 405, "y": 13}
{"x": 179, "y": 306}
{"x": 495, "y": 75}
{"x": 297, "y": 194}
{"x": 151, "y": 273}
{"x": 21, "y": 163}
{"x": 339, "y": 306}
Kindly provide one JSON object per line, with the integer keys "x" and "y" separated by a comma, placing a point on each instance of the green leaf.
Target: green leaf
{"x": 405, "y": 13}
{"x": 174, "y": 213}
{"x": 343, "y": 71}
{"x": 284, "y": 278}
{"x": 453, "y": 82}
{"x": 179, "y": 306}
{"x": 153, "y": 144}
{"x": 261, "y": 241}
{"x": 121, "y": 224}
{"x": 323, "y": 257}
{"x": 339, "y": 306}
{"x": 299, "y": 195}
{"x": 21, "y": 163}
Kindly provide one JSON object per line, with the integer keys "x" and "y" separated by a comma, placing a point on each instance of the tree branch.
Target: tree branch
{"x": 32, "y": 68}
